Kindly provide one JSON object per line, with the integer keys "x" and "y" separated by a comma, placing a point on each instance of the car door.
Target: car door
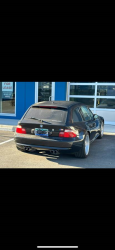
{"x": 90, "y": 123}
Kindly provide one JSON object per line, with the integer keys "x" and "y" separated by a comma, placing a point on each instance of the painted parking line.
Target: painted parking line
{"x": 6, "y": 141}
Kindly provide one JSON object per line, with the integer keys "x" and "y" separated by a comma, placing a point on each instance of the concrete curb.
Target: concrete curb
{"x": 108, "y": 133}
{"x": 7, "y": 128}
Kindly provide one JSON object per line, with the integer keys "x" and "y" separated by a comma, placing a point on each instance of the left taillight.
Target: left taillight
{"x": 20, "y": 130}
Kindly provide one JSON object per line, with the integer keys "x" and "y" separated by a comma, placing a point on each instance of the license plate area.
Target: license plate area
{"x": 41, "y": 132}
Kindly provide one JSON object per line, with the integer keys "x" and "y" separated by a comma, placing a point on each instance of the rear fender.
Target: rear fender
{"x": 89, "y": 133}
{"x": 82, "y": 134}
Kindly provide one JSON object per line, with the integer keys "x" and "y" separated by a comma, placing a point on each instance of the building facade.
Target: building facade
{"x": 16, "y": 97}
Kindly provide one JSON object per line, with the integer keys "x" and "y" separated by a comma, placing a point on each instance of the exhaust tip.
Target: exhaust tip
{"x": 54, "y": 152}
{"x": 27, "y": 148}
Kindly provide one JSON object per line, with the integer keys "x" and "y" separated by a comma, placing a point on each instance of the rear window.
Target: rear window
{"x": 50, "y": 114}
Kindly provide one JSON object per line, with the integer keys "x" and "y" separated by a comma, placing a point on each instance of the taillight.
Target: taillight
{"x": 67, "y": 134}
{"x": 20, "y": 130}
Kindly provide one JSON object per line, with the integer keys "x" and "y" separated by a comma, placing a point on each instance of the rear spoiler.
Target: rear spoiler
{"x": 50, "y": 107}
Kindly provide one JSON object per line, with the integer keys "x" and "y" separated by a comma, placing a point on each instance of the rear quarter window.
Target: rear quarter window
{"x": 76, "y": 117}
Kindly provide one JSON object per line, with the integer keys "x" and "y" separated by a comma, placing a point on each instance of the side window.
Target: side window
{"x": 86, "y": 113}
{"x": 76, "y": 117}
{"x": 90, "y": 113}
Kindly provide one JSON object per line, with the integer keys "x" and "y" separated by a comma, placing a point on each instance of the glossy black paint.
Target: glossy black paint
{"x": 53, "y": 141}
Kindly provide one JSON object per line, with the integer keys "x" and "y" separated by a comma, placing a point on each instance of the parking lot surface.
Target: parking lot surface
{"x": 102, "y": 155}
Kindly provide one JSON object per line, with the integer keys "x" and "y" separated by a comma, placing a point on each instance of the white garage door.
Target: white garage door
{"x": 100, "y": 97}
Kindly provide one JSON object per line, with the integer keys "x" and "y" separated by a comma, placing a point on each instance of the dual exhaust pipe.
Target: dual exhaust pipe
{"x": 27, "y": 148}
{"x": 53, "y": 152}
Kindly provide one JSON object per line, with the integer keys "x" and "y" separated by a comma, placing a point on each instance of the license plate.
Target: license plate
{"x": 41, "y": 132}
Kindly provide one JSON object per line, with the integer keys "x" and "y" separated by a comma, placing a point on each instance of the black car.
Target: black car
{"x": 59, "y": 127}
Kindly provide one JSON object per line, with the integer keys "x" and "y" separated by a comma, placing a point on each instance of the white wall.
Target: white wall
{"x": 109, "y": 116}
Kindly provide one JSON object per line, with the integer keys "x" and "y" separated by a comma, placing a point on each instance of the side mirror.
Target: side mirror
{"x": 95, "y": 116}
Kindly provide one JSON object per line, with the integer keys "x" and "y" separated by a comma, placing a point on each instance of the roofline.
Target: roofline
{"x": 55, "y": 103}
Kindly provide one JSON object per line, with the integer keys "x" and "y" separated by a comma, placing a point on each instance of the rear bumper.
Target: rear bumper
{"x": 40, "y": 147}
{"x": 70, "y": 145}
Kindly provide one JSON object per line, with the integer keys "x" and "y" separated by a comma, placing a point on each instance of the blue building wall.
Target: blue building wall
{"x": 30, "y": 94}
{"x": 60, "y": 91}
{"x": 25, "y": 96}
{"x": 20, "y": 98}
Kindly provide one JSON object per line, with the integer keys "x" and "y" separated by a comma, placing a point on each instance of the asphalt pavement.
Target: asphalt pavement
{"x": 102, "y": 155}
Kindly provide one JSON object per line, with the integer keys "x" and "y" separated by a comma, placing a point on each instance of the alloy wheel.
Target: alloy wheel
{"x": 87, "y": 144}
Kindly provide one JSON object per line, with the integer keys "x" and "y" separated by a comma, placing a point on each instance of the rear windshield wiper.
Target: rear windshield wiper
{"x": 39, "y": 120}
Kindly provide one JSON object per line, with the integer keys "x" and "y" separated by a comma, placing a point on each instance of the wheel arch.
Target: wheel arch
{"x": 89, "y": 133}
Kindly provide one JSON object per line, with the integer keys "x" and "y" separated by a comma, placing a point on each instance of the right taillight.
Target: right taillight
{"x": 67, "y": 134}
{"x": 20, "y": 130}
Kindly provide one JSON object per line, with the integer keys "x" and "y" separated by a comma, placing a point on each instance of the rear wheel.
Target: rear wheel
{"x": 84, "y": 151}
{"x": 101, "y": 131}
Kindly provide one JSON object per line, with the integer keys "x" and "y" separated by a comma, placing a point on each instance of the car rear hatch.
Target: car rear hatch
{"x": 43, "y": 125}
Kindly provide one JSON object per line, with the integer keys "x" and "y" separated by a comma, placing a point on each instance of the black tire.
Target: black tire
{"x": 82, "y": 152}
{"x": 101, "y": 133}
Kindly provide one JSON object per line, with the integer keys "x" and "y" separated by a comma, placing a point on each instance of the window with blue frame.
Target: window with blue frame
{"x": 44, "y": 91}
{"x": 7, "y": 97}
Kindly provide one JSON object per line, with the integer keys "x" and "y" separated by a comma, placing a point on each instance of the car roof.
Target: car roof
{"x": 61, "y": 104}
